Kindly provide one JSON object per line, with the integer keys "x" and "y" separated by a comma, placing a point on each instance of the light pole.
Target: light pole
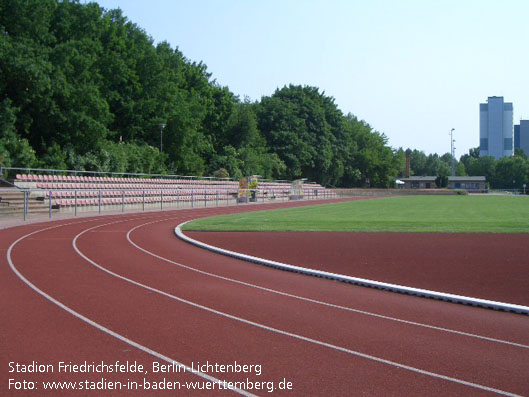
{"x": 452, "y": 148}
{"x": 162, "y": 126}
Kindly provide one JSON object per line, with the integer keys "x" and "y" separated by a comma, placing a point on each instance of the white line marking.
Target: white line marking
{"x": 314, "y": 300}
{"x": 99, "y": 326}
{"x": 281, "y": 332}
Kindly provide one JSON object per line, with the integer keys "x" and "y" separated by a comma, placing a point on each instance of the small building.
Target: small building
{"x": 418, "y": 182}
{"x": 467, "y": 182}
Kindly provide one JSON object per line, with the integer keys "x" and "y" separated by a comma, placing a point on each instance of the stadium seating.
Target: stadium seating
{"x": 81, "y": 190}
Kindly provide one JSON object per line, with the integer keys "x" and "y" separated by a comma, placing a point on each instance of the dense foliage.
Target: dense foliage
{"x": 504, "y": 173}
{"x": 83, "y": 88}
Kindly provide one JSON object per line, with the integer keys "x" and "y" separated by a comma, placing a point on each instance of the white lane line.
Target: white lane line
{"x": 102, "y": 328}
{"x": 314, "y": 300}
{"x": 281, "y": 332}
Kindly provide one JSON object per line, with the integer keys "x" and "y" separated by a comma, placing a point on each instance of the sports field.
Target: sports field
{"x": 428, "y": 214}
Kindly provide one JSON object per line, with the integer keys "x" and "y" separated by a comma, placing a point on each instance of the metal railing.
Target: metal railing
{"x": 95, "y": 201}
{"x": 51, "y": 171}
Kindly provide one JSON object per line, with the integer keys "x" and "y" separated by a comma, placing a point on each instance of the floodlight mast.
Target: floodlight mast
{"x": 162, "y": 126}
{"x": 452, "y": 150}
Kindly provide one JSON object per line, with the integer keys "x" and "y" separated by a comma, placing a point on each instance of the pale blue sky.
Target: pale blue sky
{"x": 412, "y": 69}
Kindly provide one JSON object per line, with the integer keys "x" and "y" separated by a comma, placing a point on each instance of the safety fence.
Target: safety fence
{"x": 32, "y": 203}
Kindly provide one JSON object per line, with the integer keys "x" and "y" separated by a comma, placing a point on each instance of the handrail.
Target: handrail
{"x": 170, "y": 176}
{"x": 9, "y": 183}
{"x": 75, "y": 172}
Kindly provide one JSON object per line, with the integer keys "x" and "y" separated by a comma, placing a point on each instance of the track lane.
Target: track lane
{"x": 42, "y": 333}
{"x": 201, "y": 347}
{"x": 310, "y": 300}
{"x": 97, "y": 291}
{"x": 481, "y": 265}
{"x": 463, "y": 318}
{"x": 270, "y": 315}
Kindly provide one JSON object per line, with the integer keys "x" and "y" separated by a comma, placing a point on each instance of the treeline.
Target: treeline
{"x": 84, "y": 88}
{"x": 504, "y": 173}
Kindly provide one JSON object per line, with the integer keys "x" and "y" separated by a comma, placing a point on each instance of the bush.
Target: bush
{"x": 221, "y": 173}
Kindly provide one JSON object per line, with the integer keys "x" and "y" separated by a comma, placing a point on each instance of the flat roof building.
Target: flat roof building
{"x": 523, "y": 136}
{"x": 418, "y": 182}
{"x": 471, "y": 183}
{"x": 517, "y": 136}
{"x": 467, "y": 182}
{"x": 496, "y": 128}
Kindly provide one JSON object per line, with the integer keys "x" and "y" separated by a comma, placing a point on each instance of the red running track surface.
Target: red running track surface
{"x": 487, "y": 266}
{"x": 131, "y": 292}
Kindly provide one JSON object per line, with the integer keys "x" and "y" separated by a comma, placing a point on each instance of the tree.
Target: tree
{"x": 511, "y": 173}
{"x": 85, "y": 88}
{"x": 418, "y": 163}
{"x": 482, "y": 166}
{"x": 473, "y": 153}
{"x": 14, "y": 150}
{"x": 441, "y": 181}
{"x": 520, "y": 153}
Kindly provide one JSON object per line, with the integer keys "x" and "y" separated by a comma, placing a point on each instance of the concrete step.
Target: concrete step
{"x": 20, "y": 210}
{"x": 12, "y": 203}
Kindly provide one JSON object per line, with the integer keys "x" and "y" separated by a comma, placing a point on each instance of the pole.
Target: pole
{"x": 162, "y": 126}
{"x": 452, "y": 154}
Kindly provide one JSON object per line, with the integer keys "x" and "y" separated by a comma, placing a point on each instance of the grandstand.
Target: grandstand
{"x": 66, "y": 190}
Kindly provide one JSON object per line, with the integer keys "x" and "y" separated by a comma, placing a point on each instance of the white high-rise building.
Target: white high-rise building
{"x": 496, "y": 128}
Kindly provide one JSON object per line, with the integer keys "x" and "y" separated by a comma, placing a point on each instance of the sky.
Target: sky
{"x": 412, "y": 69}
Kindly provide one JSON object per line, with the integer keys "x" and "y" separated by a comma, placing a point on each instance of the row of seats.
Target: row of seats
{"x": 100, "y": 179}
{"x": 197, "y": 195}
{"x": 80, "y": 202}
{"x": 69, "y": 190}
{"x": 135, "y": 193}
{"x": 121, "y": 186}
{"x": 106, "y": 180}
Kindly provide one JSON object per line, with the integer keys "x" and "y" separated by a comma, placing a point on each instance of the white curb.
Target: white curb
{"x": 358, "y": 281}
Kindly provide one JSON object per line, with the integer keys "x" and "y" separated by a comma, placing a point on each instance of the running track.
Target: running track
{"x": 123, "y": 288}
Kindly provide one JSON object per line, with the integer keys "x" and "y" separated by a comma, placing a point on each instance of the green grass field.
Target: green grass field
{"x": 430, "y": 214}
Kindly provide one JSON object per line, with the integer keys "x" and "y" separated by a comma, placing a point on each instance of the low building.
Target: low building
{"x": 473, "y": 183}
{"x": 467, "y": 182}
{"x": 418, "y": 182}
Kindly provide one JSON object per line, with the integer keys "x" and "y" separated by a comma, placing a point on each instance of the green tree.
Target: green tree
{"x": 418, "y": 163}
{"x": 511, "y": 173}
{"x": 14, "y": 150}
{"x": 482, "y": 166}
